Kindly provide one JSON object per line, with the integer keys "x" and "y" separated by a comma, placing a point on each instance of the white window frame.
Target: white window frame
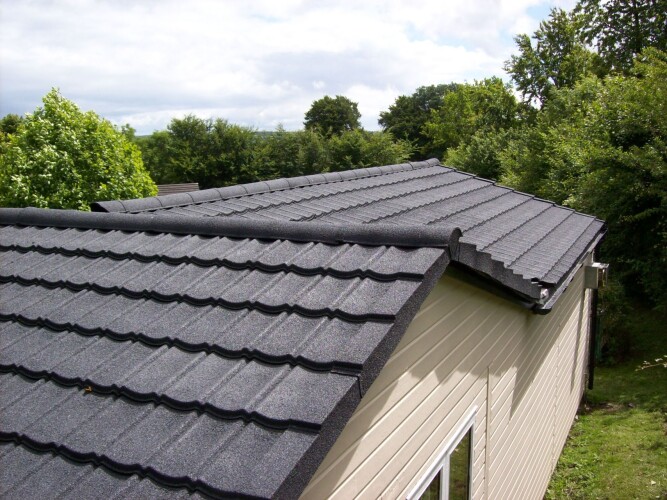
{"x": 441, "y": 464}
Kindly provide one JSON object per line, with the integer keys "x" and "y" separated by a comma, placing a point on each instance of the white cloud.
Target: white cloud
{"x": 258, "y": 63}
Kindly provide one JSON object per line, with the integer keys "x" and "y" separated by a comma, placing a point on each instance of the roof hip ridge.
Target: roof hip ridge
{"x": 240, "y": 190}
{"x": 440, "y": 236}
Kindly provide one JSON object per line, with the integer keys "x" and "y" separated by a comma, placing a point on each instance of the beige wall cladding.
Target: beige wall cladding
{"x": 467, "y": 348}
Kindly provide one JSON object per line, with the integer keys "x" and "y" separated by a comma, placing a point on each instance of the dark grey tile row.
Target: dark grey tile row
{"x": 359, "y": 203}
{"x": 344, "y": 260}
{"x": 444, "y": 209}
{"x": 228, "y": 388}
{"x": 317, "y": 343}
{"x": 320, "y": 295}
{"x": 262, "y": 187}
{"x": 176, "y": 448}
{"x": 576, "y": 250}
{"x": 27, "y": 473}
{"x": 338, "y": 190}
{"x": 383, "y": 210}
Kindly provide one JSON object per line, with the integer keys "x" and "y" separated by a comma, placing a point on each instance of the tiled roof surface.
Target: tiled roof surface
{"x": 146, "y": 356}
{"x": 526, "y": 244}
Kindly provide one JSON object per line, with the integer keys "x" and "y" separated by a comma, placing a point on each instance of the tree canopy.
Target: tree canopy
{"x": 557, "y": 59}
{"x": 332, "y": 115}
{"x": 622, "y": 29}
{"x": 213, "y": 153}
{"x": 406, "y": 118}
{"x": 9, "y": 124}
{"x": 61, "y": 157}
{"x": 487, "y": 105}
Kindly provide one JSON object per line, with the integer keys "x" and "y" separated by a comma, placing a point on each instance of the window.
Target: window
{"x": 449, "y": 477}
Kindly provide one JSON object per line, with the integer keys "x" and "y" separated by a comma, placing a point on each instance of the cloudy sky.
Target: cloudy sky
{"x": 257, "y": 63}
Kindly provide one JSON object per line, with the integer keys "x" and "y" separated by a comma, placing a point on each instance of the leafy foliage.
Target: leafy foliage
{"x": 483, "y": 106}
{"x": 622, "y": 29}
{"x": 406, "y": 118}
{"x": 213, "y": 153}
{"x": 332, "y": 115}
{"x": 558, "y": 59}
{"x": 480, "y": 155}
{"x": 9, "y": 124}
{"x": 358, "y": 148}
{"x": 60, "y": 157}
{"x": 290, "y": 154}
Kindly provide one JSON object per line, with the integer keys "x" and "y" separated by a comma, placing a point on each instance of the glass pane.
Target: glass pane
{"x": 459, "y": 469}
{"x": 433, "y": 490}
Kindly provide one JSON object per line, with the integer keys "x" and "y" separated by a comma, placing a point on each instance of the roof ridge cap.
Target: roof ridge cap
{"x": 248, "y": 189}
{"x": 235, "y": 227}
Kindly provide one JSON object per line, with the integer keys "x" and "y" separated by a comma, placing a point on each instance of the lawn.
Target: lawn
{"x": 617, "y": 448}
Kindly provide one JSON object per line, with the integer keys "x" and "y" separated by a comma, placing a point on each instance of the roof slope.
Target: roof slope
{"x": 216, "y": 356}
{"x": 526, "y": 244}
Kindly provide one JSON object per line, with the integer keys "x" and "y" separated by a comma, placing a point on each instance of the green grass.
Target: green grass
{"x": 617, "y": 448}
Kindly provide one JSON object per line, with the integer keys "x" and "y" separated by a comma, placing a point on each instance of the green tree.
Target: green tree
{"x": 480, "y": 155}
{"x": 9, "y": 124}
{"x": 558, "y": 59}
{"x": 528, "y": 158}
{"x": 61, "y": 157}
{"x": 231, "y": 154}
{"x": 156, "y": 152}
{"x": 359, "y": 148}
{"x": 487, "y": 105}
{"x": 622, "y": 29}
{"x": 188, "y": 151}
{"x": 405, "y": 118}
{"x": 291, "y": 154}
{"x": 213, "y": 153}
{"x": 332, "y": 116}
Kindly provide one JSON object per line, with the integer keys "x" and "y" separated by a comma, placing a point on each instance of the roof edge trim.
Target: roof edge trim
{"x": 225, "y": 193}
{"x": 560, "y": 288}
{"x": 362, "y": 234}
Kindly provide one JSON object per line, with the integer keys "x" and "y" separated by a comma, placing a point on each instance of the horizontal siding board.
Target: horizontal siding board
{"x": 418, "y": 464}
{"x": 528, "y": 440}
{"x": 532, "y": 356}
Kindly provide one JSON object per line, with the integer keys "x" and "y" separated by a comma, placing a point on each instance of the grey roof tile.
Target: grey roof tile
{"x": 124, "y": 436}
{"x": 493, "y": 219}
{"x": 193, "y": 359}
{"x": 25, "y": 473}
